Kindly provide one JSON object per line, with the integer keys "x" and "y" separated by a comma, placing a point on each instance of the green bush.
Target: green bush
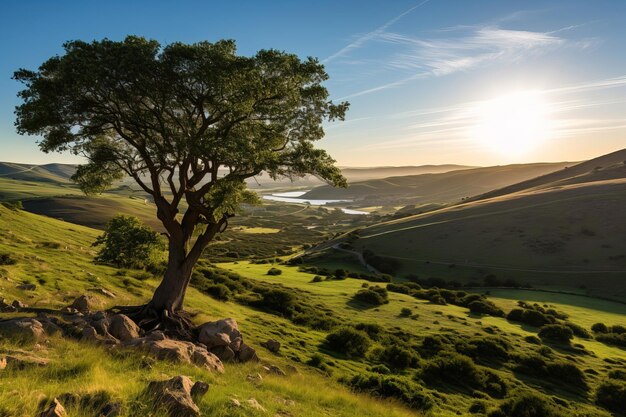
{"x": 485, "y": 348}
{"x": 274, "y": 271}
{"x": 349, "y": 341}
{"x": 317, "y": 278}
{"x": 611, "y": 395}
{"x": 578, "y": 330}
{"x": 279, "y": 301}
{"x": 599, "y": 328}
{"x": 373, "y": 295}
{"x": 373, "y": 330}
{"x": 393, "y": 387}
{"x": 406, "y": 312}
{"x": 398, "y": 357}
{"x": 127, "y": 243}
{"x": 219, "y": 292}
{"x": 7, "y": 259}
{"x": 531, "y": 317}
{"x": 485, "y": 307}
{"x": 453, "y": 369}
{"x": 528, "y": 405}
{"x": 615, "y": 339}
{"x": 556, "y": 333}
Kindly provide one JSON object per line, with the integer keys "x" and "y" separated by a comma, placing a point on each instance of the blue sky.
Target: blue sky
{"x": 478, "y": 82}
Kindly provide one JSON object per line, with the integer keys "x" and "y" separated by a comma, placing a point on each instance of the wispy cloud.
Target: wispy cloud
{"x": 360, "y": 41}
{"x": 470, "y": 48}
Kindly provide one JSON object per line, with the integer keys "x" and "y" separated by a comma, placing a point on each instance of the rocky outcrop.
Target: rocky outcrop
{"x": 25, "y": 329}
{"x": 83, "y": 304}
{"x": 53, "y": 409}
{"x": 123, "y": 328}
{"x": 177, "y": 396}
{"x": 271, "y": 345}
{"x": 223, "y": 338}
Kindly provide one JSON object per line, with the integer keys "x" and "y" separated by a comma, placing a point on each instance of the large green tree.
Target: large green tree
{"x": 189, "y": 123}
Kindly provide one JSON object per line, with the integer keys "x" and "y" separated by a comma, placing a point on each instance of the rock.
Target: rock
{"x": 174, "y": 396}
{"x": 27, "y": 287}
{"x": 273, "y": 369}
{"x": 23, "y": 360}
{"x": 54, "y": 409}
{"x": 219, "y": 333}
{"x": 205, "y": 359}
{"x": 246, "y": 354}
{"x": 70, "y": 310}
{"x": 198, "y": 390}
{"x": 254, "y": 378}
{"x": 156, "y": 335}
{"x": 84, "y": 304}
{"x": 123, "y": 328}
{"x": 225, "y": 353}
{"x": 292, "y": 369}
{"x": 179, "y": 351}
{"x": 254, "y": 404}
{"x": 103, "y": 291}
{"x": 271, "y": 345}
{"x": 235, "y": 402}
{"x": 3, "y": 363}
{"x": 18, "y": 304}
{"x": 26, "y": 329}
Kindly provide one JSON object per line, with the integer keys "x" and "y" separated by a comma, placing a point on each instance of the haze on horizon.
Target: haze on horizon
{"x": 429, "y": 81}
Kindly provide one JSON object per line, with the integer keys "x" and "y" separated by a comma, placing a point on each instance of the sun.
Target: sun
{"x": 512, "y": 125}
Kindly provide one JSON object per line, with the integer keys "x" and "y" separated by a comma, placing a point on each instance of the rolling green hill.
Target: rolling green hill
{"x": 557, "y": 231}
{"x": 434, "y": 188}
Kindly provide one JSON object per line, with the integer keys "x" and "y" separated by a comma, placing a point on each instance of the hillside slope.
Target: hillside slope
{"x": 435, "y": 188}
{"x": 558, "y": 231}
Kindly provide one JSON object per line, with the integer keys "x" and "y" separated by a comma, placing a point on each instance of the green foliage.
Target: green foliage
{"x": 406, "y": 312}
{"x": 562, "y": 373}
{"x": 528, "y": 405}
{"x": 373, "y": 296}
{"x": 218, "y": 291}
{"x": 274, "y": 271}
{"x": 384, "y": 264}
{"x": 277, "y": 300}
{"x": 13, "y": 205}
{"x": 398, "y": 357}
{"x": 126, "y": 243}
{"x": 349, "y": 341}
{"x": 7, "y": 259}
{"x": 556, "y": 333}
{"x": 485, "y": 307}
{"x": 611, "y": 394}
{"x": 599, "y": 328}
{"x": 393, "y": 387}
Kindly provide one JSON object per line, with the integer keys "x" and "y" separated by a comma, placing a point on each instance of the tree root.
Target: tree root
{"x": 175, "y": 324}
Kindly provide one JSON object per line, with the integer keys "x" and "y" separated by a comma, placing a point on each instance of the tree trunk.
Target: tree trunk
{"x": 170, "y": 293}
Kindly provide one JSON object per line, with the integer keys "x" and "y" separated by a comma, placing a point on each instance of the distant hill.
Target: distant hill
{"x": 564, "y": 230}
{"x": 435, "y": 188}
{"x": 54, "y": 173}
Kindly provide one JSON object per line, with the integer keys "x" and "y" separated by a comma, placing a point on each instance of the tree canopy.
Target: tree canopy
{"x": 188, "y": 122}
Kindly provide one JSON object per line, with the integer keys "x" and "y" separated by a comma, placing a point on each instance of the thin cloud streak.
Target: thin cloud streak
{"x": 371, "y": 35}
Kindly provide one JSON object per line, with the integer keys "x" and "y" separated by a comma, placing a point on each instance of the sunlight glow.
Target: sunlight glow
{"x": 512, "y": 125}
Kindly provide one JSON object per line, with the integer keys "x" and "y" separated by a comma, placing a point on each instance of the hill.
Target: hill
{"x": 56, "y": 257}
{"x": 434, "y": 188}
{"x": 561, "y": 231}
{"x": 59, "y": 173}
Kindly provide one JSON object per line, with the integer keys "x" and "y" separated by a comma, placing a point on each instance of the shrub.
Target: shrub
{"x": 218, "y": 291}
{"x": 528, "y": 405}
{"x": 611, "y": 395}
{"x": 349, "y": 341}
{"x": 534, "y": 340}
{"x": 399, "y": 288}
{"x": 13, "y": 205}
{"x": 398, "y": 357}
{"x": 566, "y": 372}
{"x": 612, "y": 339}
{"x": 556, "y": 333}
{"x": 279, "y": 301}
{"x": 373, "y": 295}
{"x": 485, "y": 307}
{"x": 486, "y": 348}
{"x": 454, "y": 369}
{"x": 599, "y": 328}
{"x": 478, "y": 407}
{"x": 406, "y": 312}
{"x": 578, "y": 330}
{"x": 274, "y": 271}
{"x": 127, "y": 243}
{"x": 374, "y": 331}
{"x": 528, "y": 316}
{"x": 392, "y": 386}
{"x": 317, "y": 278}
{"x": 7, "y": 259}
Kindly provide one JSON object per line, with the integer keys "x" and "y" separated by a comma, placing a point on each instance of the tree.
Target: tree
{"x": 189, "y": 123}
{"x": 126, "y": 243}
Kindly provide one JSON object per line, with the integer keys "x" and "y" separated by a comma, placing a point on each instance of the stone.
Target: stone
{"x": 156, "y": 335}
{"x": 205, "y": 359}
{"x": 102, "y": 291}
{"x": 3, "y": 363}
{"x": 25, "y": 329}
{"x": 70, "y": 310}
{"x": 83, "y": 304}
{"x": 247, "y": 354}
{"x": 54, "y": 409}
{"x": 235, "y": 402}
{"x": 198, "y": 390}
{"x": 254, "y": 404}
{"x": 255, "y": 378}
{"x": 210, "y": 333}
{"x": 179, "y": 351}
{"x": 271, "y": 345}
{"x": 123, "y": 328}
{"x": 26, "y": 287}
{"x": 18, "y": 304}
{"x": 174, "y": 396}
{"x": 225, "y": 353}
{"x": 273, "y": 369}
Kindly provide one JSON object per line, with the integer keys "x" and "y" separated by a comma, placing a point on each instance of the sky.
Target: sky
{"x": 474, "y": 82}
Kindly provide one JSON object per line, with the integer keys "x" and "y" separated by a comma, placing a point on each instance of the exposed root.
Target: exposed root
{"x": 175, "y": 324}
